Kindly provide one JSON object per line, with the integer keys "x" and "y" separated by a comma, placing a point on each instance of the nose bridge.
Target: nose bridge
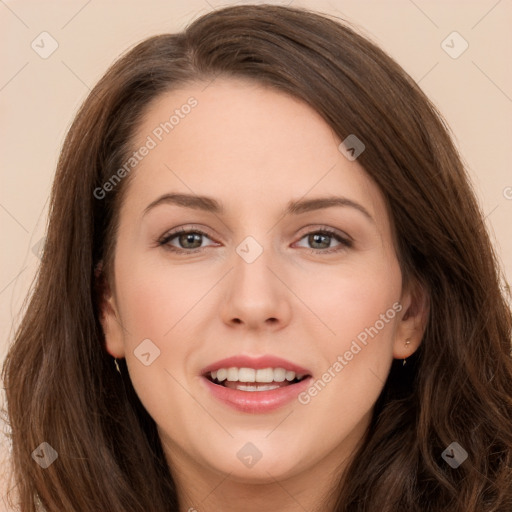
{"x": 255, "y": 294}
{"x": 253, "y": 257}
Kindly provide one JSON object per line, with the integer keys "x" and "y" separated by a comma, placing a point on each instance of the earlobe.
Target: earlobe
{"x": 108, "y": 313}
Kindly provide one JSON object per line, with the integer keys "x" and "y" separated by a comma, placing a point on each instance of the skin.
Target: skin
{"x": 254, "y": 149}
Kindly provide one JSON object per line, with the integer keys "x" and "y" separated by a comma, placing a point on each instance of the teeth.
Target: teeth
{"x": 263, "y": 375}
{"x": 232, "y": 374}
{"x": 279, "y": 374}
{"x": 263, "y": 387}
{"x": 246, "y": 375}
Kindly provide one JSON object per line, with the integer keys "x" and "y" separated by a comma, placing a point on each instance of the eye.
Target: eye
{"x": 321, "y": 239}
{"x": 188, "y": 240}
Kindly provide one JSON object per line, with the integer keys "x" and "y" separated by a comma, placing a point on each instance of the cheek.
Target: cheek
{"x": 154, "y": 300}
{"x": 360, "y": 308}
{"x": 354, "y": 298}
{"x": 154, "y": 308}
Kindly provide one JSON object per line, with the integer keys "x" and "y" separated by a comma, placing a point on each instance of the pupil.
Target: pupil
{"x": 317, "y": 238}
{"x": 189, "y": 237}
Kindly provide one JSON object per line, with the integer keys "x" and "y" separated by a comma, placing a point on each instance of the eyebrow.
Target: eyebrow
{"x": 208, "y": 204}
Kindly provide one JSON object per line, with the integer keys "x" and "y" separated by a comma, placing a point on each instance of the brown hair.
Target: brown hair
{"x": 61, "y": 383}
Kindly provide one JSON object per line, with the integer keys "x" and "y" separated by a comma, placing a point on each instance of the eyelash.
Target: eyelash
{"x": 345, "y": 243}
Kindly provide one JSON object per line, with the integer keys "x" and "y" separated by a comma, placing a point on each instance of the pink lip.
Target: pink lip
{"x": 256, "y": 401}
{"x": 257, "y": 363}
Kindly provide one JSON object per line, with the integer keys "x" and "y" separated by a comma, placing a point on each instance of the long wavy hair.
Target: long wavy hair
{"x": 61, "y": 384}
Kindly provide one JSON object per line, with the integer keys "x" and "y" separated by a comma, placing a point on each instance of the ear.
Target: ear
{"x": 412, "y": 321}
{"x": 109, "y": 315}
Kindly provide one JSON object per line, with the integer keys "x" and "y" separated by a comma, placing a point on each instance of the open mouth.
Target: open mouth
{"x": 250, "y": 379}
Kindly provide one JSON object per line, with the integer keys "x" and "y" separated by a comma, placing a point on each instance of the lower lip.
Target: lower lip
{"x": 257, "y": 401}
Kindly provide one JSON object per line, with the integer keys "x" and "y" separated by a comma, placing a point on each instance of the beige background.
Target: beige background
{"x": 39, "y": 97}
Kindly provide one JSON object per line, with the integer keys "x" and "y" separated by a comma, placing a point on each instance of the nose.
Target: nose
{"x": 256, "y": 293}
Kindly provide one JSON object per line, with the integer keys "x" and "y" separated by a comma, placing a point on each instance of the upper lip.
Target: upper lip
{"x": 259, "y": 362}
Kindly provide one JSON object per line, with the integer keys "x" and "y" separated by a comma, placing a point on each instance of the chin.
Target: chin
{"x": 258, "y": 461}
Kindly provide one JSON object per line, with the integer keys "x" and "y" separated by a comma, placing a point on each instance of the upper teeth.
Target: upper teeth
{"x": 252, "y": 375}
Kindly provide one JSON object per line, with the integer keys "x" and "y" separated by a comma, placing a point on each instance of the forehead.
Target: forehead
{"x": 236, "y": 119}
{"x": 240, "y": 141}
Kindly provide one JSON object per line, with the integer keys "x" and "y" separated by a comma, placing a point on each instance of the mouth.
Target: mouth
{"x": 251, "y": 379}
{"x": 255, "y": 385}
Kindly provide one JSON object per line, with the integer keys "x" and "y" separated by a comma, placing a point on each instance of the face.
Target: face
{"x": 258, "y": 322}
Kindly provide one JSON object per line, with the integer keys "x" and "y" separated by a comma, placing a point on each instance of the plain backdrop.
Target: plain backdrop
{"x": 54, "y": 52}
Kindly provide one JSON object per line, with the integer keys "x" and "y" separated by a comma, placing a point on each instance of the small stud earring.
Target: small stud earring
{"x": 407, "y": 343}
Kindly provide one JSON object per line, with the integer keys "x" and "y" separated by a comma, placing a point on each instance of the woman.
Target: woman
{"x": 340, "y": 343}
